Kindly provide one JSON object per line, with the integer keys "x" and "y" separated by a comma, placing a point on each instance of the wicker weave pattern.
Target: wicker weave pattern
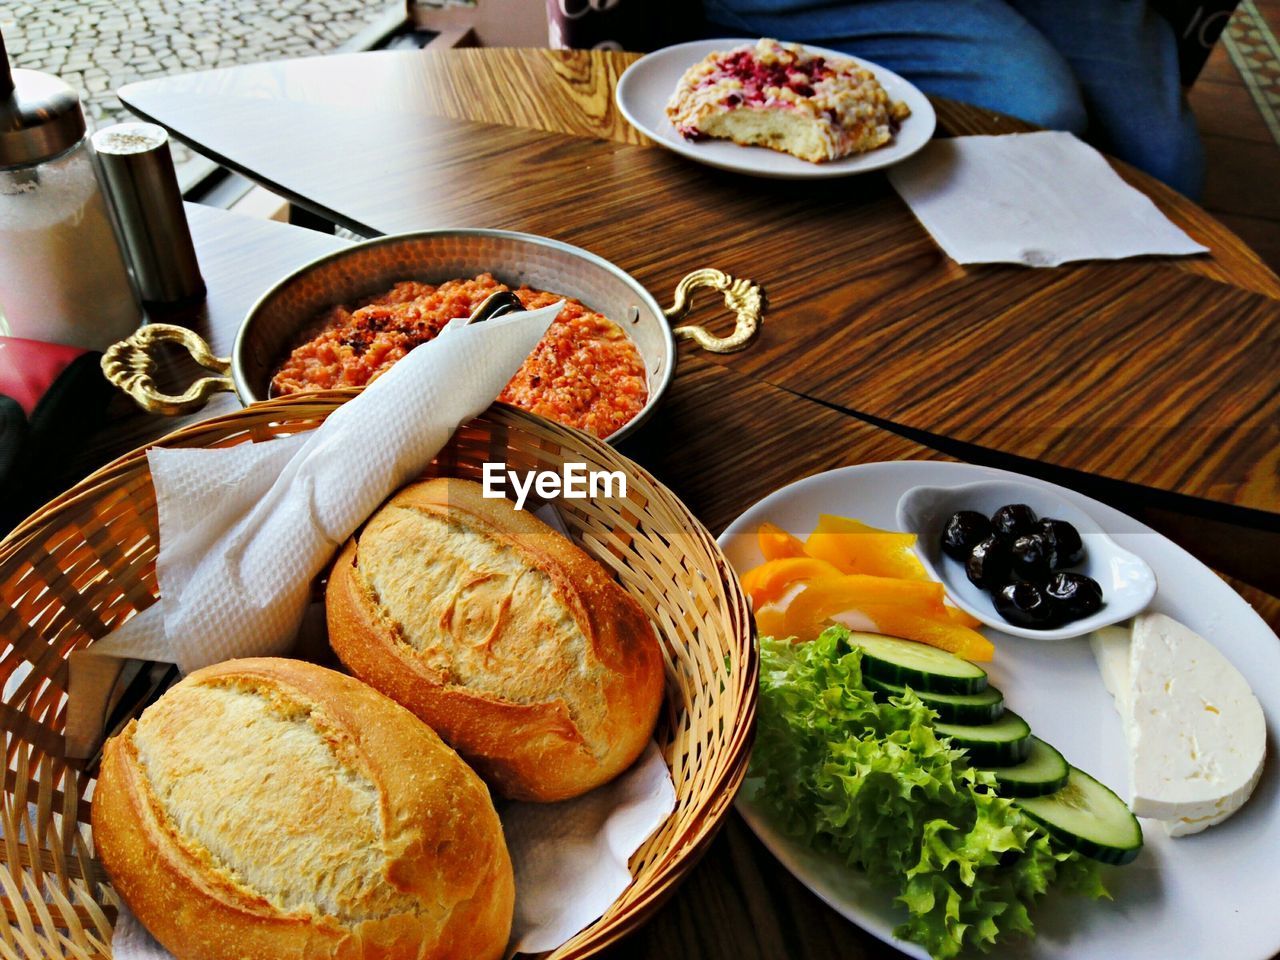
{"x": 86, "y": 562}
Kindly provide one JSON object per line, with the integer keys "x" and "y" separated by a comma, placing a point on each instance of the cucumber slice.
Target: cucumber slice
{"x": 982, "y": 707}
{"x": 1089, "y": 818}
{"x": 917, "y": 665}
{"x": 1004, "y": 742}
{"x": 1043, "y": 771}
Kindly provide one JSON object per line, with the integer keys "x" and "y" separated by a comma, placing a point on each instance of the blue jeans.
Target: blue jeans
{"x": 1107, "y": 69}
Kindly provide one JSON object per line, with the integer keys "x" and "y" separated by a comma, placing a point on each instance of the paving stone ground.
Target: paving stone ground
{"x": 100, "y": 45}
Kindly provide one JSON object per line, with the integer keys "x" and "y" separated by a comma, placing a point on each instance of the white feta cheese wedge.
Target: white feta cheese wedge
{"x": 1111, "y": 650}
{"x": 1197, "y": 736}
{"x": 1185, "y": 825}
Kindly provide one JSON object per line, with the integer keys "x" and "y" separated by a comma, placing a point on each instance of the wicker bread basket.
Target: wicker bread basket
{"x": 86, "y": 562}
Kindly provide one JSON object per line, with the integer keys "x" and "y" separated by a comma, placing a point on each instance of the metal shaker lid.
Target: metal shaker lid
{"x": 40, "y": 116}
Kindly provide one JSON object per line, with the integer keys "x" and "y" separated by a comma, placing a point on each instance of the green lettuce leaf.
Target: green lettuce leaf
{"x": 872, "y": 783}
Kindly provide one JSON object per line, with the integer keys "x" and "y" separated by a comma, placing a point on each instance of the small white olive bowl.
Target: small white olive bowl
{"x": 1128, "y": 582}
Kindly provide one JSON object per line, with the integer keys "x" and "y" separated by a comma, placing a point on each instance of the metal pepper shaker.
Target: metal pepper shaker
{"x": 137, "y": 169}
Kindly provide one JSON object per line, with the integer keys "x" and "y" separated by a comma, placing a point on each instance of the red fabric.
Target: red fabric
{"x": 29, "y": 367}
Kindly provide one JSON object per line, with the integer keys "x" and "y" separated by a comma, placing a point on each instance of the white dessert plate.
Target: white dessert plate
{"x": 645, "y": 87}
{"x": 1127, "y": 581}
{"x": 1202, "y": 897}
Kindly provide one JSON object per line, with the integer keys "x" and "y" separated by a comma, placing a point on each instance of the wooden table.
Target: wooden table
{"x": 738, "y": 904}
{"x": 1149, "y": 383}
{"x": 459, "y": 112}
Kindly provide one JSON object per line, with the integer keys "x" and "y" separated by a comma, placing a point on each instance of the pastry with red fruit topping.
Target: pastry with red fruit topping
{"x": 781, "y": 96}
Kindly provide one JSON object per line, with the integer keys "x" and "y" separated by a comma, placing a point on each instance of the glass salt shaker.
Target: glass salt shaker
{"x": 63, "y": 277}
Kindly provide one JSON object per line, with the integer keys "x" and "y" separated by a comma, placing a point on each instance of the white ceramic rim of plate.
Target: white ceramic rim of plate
{"x": 1121, "y": 604}
{"x": 761, "y": 161}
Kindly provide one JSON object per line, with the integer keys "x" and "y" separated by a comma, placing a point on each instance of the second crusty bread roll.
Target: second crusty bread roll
{"x": 271, "y": 808}
{"x": 509, "y": 640}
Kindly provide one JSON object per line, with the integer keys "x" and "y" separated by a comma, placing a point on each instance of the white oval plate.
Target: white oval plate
{"x": 647, "y": 84}
{"x": 1127, "y": 581}
{"x": 1202, "y": 897}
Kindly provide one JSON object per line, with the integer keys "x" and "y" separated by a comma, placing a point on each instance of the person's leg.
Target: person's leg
{"x": 979, "y": 51}
{"x": 1126, "y": 58}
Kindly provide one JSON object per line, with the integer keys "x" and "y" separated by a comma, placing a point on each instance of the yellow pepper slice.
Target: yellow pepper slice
{"x": 771, "y": 621}
{"x": 953, "y": 637}
{"x": 867, "y": 606}
{"x": 857, "y": 591}
{"x": 956, "y": 615}
{"x": 770, "y": 580}
{"x": 776, "y": 543}
{"x": 856, "y": 547}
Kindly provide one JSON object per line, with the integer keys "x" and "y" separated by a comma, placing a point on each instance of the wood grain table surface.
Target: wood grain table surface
{"x": 874, "y": 298}
{"x": 555, "y": 91}
{"x": 1150, "y": 383}
{"x": 739, "y": 439}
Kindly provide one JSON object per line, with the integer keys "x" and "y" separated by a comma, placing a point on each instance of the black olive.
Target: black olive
{"x": 1049, "y": 548}
{"x": 1013, "y": 520}
{"x": 1024, "y": 604}
{"x": 964, "y": 531}
{"x": 1074, "y": 594}
{"x": 1029, "y": 559}
{"x": 1068, "y": 548}
{"x": 988, "y": 564}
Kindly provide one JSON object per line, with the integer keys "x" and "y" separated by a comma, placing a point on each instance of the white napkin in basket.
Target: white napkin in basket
{"x": 570, "y": 858}
{"x": 1038, "y": 199}
{"x": 243, "y": 532}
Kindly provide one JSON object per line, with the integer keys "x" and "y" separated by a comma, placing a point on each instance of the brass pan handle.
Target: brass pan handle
{"x": 130, "y": 366}
{"x": 744, "y": 297}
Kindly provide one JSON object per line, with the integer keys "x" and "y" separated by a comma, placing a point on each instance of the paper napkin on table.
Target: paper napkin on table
{"x": 1040, "y": 199}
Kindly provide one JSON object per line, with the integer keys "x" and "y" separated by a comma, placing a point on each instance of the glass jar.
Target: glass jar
{"x": 63, "y": 277}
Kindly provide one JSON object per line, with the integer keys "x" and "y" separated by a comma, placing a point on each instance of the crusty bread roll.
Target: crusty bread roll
{"x": 517, "y": 647}
{"x": 271, "y": 808}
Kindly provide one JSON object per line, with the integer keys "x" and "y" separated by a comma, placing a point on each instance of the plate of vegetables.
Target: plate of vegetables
{"x": 951, "y": 787}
